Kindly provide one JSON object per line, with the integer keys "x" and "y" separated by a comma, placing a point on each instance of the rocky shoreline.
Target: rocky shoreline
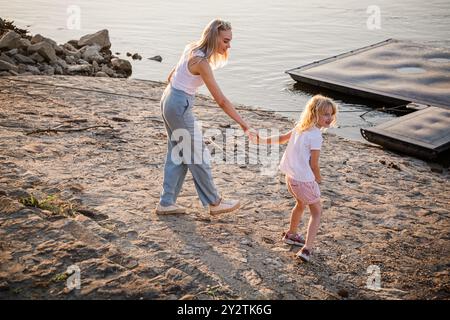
{"x": 37, "y": 55}
{"x": 81, "y": 163}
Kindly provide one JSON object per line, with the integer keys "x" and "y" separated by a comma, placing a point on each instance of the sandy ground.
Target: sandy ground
{"x": 382, "y": 211}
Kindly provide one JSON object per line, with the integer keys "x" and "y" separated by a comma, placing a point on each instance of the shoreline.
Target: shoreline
{"x": 380, "y": 209}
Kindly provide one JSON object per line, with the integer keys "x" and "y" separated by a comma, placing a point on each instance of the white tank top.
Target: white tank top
{"x": 182, "y": 78}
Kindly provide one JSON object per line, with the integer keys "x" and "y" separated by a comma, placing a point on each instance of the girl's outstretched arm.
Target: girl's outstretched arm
{"x": 314, "y": 163}
{"x": 281, "y": 139}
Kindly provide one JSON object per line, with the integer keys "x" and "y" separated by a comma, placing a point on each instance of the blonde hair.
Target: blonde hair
{"x": 208, "y": 43}
{"x": 315, "y": 107}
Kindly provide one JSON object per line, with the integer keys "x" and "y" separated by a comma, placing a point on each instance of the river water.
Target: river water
{"x": 269, "y": 37}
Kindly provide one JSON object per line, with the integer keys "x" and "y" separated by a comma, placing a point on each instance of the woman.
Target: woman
{"x": 192, "y": 71}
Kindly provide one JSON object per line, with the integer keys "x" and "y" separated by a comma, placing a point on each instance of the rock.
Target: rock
{"x": 10, "y": 40}
{"x": 39, "y": 38}
{"x": 128, "y": 54}
{"x": 33, "y": 69}
{"x": 95, "y": 66}
{"x": 394, "y": 166}
{"x": 107, "y": 55}
{"x": 69, "y": 47}
{"x": 81, "y": 61}
{"x": 22, "y": 68}
{"x": 24, "y": 43}
{"x": 101, "y": 74}
{"x": 24, "y": 59}
{"x": 100, "y": 38}
{"x": 12, "y": 52}
{"x": 61, "y": 63}
{"x": 59, "y": 70}
{"x": 4, "y": 57}
{"x": 156, "y": 58}
{"x": 123, "y": 66}
{"x": 74, "y": 44}
{"x": 92, "y": 53}
{"x": 107, "y": 70}
{"x": 45, "y": 50}
{"x": 136, "y": 56}
{"x": 76, "y": 54}
{"x": 6, "y": 66}
{"x": 37, "y": 57}
{"x": 59, "y": 50}
{"x": 83, "y": 68}
{"x": 70, "y": 59}
{"x": 49, "y": 70}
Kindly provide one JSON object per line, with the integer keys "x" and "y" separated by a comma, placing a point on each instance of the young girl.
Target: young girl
{"x": 300, "y": 163}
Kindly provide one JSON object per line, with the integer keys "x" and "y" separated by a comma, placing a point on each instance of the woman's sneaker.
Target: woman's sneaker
{"x": 172, "y": 209}
{"x": 295, "y": 239}
{"x": 224, "y": 206}
{"x": 304, "y": 254}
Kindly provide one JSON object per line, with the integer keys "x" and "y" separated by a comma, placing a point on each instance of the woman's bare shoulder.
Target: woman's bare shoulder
{"x": 197, "y": 64}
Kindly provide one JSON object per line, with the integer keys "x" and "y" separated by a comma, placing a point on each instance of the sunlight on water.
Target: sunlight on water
{"x": 269, "y": 37}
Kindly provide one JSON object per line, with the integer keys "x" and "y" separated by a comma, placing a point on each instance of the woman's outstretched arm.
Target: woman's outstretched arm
{"x": 204, "y": 70}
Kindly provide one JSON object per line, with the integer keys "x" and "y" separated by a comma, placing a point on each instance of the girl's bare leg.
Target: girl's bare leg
{"x": 296, "y": 216}
{"x": 313, "y": 226}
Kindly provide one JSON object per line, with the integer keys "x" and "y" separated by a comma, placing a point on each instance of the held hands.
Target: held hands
{"x": 252, "y": 135}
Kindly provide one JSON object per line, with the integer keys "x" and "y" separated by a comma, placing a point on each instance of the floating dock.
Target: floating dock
{"x": 424, "y": 134}
{"x": 397, "y": 73}
{"x": 393, "y": 71}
